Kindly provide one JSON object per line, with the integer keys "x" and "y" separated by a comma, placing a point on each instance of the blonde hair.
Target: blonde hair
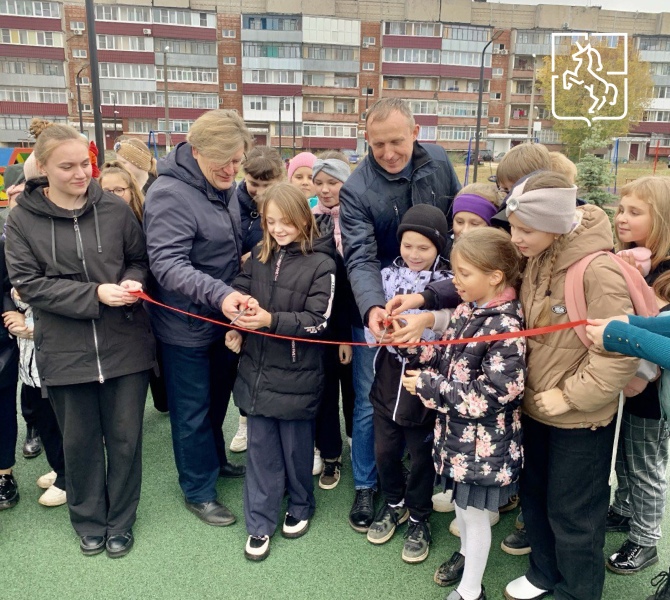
{"x": 543, "y": 181}
{"x": 136, "y": 203}
{"x": 333, "y": 154}
{"x": 37, "y": 126}
{"x": 654, "y": 191}
{"x": 563, "y": 165}
{"x": 488, "y": 191}
{"x": 383, "y": 108}
{"x": 293, "y": 206}
{"x": 219, "y": 134}
{"x": 489, "y": 249}
{"x": 52, "y": 135}
{"x": 522, "y": 160}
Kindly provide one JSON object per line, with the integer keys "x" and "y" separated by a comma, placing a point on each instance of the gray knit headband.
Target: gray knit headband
{"x": 551, "y": 210}
{"x": 332, "y": 166}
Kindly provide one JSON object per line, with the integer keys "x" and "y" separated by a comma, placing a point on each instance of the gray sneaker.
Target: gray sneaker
{"x": 385, "y": 523}
{"x": 417, "y": 542}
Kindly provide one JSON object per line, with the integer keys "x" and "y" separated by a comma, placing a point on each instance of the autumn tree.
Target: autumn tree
{"x": 579, "y": 99}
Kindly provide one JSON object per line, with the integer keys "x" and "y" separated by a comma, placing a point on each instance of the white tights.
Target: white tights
{"x": 475, "y": 529}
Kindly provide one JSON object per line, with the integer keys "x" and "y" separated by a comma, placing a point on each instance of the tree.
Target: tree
{"x": 593, "y": 174}
{"x": 578, "y": 100}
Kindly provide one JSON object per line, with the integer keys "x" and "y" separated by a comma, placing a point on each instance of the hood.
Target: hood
{"x": 326, "y": 241}
{"x": 181, "y": 165}
{"x": 34, "y": 200}
{"x": 247, "y": 203}
{"x": 594, "y": 233}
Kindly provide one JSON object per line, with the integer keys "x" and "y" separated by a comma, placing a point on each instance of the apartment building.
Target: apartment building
{"x": 303, "y": 75}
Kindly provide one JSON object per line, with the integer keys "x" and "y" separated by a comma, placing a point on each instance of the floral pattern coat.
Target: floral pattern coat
{"x": 477, "y": 390}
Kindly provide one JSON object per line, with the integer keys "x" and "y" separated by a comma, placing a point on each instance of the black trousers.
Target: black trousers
{"x": 28, "y": 408}
{"x": 102, "y": 442}
{"x": 8, "y": 426}
{"x": 279, "y": 457}
{"x": 47, "y": 425}
{"x": 157, "y": 383}
{"x": 337, "y": 377}
{"x": 565, "y": 495}
{"x": 391, "y": 440}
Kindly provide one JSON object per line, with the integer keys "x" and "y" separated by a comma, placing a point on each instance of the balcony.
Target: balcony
{"x": 317, "y": 90}
{"x": 331, "y": 117}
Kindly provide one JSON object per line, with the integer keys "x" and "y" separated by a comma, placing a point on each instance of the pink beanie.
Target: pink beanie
{"x": 304, "y": 159}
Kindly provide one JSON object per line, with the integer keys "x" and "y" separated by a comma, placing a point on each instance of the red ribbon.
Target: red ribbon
{"x": 482, "y": 338}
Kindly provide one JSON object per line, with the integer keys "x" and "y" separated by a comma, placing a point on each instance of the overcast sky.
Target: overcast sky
{"x": 655, "y": 6}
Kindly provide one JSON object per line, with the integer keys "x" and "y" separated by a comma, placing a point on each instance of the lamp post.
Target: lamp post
{"x": 167, "y": 101}
{"x": 532, "y": 101}
{"x": 79, "y": 105}
{"x": 367, "y": 96}
{"x": 281, "y": 101}
{"x": 495, "y": 36}
{"x": 115, "y": 112}
{"x": 281, "y": 104}
{"x": 293, "y": 107}
{"x": 95, "y": 79}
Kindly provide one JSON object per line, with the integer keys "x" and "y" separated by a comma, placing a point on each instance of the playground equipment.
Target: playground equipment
{"x": 8, "y": 157}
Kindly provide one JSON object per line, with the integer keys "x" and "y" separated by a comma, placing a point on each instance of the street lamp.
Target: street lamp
{"x": 496, "y": 35}
{"x": 367, "y": 95}
{"x": 532, "y": 101}
{"x": 167, "y": 102}
{"x": 79, "y": 104}
{"x": 114, "y": 116}
{"x": 281, "y": 103}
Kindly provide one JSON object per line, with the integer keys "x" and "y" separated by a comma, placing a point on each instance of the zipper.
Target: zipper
{"x": 397, "y": 396}
{"x": 282, "y": 252}
{"x": 101, "y": 378}
{"x": 397, "y": 214}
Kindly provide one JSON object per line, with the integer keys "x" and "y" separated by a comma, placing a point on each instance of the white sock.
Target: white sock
{"x": 460, "y": 521}
{"x": 399, "y": 505}
{"x": 475, "y": 544}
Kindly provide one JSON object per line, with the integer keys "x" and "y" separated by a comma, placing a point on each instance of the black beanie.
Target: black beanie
{"x": 429, "y": 221}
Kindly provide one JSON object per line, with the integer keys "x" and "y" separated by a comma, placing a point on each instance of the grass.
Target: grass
{"x": 177, "y": 557}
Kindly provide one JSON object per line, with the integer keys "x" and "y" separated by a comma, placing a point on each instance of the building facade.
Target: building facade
{"x": 303, "y": 74}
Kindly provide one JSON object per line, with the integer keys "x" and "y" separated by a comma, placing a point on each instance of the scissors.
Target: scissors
{"x": 240, "y": 314}
{"x": 387, "y": 324}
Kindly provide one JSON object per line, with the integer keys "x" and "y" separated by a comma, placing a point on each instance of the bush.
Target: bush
{"x": 593, "y": 174}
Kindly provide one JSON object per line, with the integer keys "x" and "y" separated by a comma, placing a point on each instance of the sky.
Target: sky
{"x": 655, "y": 6}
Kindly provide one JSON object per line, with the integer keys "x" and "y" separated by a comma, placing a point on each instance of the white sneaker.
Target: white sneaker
{"x": 47, "y": 480}
{"x": 53, "y": 497}
{"x": 522, "y": 589}
{"x": 494, "y": 518}
{"x": 239, "y": 441}
{"x": 257, "y": 547}
{"x": 294, "y": 528}
{"x": 317, "y": 466}
{"x": 442, "y": 502}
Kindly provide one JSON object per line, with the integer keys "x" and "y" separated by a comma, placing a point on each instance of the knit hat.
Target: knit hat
{"x": 135, "y": 152}
{"x": 427, "y": 220}
{"x": 304, "y": 159}
{"x": 551, "y": 210}
{"x": 332, "y": 166}
{"x": 30, "y": 169}
{"x": 475, "y": 204}
{"x": 13, "y": 175}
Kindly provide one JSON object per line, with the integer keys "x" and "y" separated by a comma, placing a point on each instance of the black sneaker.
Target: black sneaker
{"x": 32, "y": 445}
{"x": 386, "y": 521}
{"x": 516, "y": 543}
{"x": 662, "y": 584}
{"x": 363, "y": 510}
{"x": 632, "y": 558}
{"x": 417, "y": 542}
{"x": 9, "y": 491}
{"x": 616, "y": 522}
{"x": 450, "y": 572}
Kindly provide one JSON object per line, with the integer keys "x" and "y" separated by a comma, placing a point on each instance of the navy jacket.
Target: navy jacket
{"x": 194, "y": 244}
{"x": 373, "y": 202}
{"x": 252, "y": 230}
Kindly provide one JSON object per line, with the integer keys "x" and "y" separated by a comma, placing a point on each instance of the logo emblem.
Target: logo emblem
{"x": 559, "y": 309}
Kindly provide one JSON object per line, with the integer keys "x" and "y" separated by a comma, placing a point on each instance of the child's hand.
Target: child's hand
{"x": 402, "y": 302}
{"x": 409, "y": 328}
{"x": 346, "y": 354}
{"x": 409, "y": 380}
{"x": 255, "y": 317}
{"x": 15, "y": 322}
{"x": 551, "y": 403}
{"x": 234, "y": 341}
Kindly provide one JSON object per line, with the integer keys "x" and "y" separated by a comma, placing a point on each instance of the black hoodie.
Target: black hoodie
{"x": 56, "y": 259}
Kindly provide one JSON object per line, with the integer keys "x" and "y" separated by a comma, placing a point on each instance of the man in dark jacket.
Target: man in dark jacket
{"x": 194, "y": 242}
{"x": 397, "y": 174}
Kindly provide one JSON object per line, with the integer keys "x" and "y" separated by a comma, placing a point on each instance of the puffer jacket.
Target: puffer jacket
{"x": 252, "y": 230}
{"x": 278, "y": 378}
{"x": 56, "y": 261}
{"x": 590, "y": 378}
{"x": 373, "y": 202}
{"x": 194, "y": 243}
{"x": 477, "y": 390}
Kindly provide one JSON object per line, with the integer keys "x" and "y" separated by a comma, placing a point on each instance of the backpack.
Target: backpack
{"x": 644, "y": 304}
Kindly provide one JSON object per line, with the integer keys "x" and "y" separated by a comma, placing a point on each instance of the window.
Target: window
{"x": 86, "y": 108}
{"x": 31, "y": 38}
{"x": 664, "y": 142}
{"x": 124, "y": 42}
{"x": 271, "y": 76}
{"x": 29, "y": 67}
{"x": 124, "y": 98}
{"x": 345, "y": 107}
{"x": 127, "y": 71}
{"x": 498, "y": 72}
{"x": 456, "y": 134}
{"x": 315, "y": 79}
{"x": 133, "y": 14}
{"x": 655, "y": 43}
{"x": 169, "y": 16}
{"x": 524, "y": 87}
{"x": 84, "y": 81}
{"x": 315, "y": 106}
{"x": 467, "y": 59}
{"x": 287, "y": 130}
{"x": 140, "y": 126}
{"x": 47, "y": 95}
{"x": 76, "y": 53}
{"x": 394, "y": 83}
{"x": 257, "y": 49}
{"x": 660, "y": 68}
{"x": 229, "y": 60}
{"x": 28, "y": 8}
{"x": 228, "y": 33}
{"x": 470, "y": 34}
{"x": 423, "y": 107}
{"x": 496, "y": 95}
{"x": 657, "y": 116}
{"x": 345, "y": 81}
{"x": 77, "y": 25}
{"x": 369, "y": 41}
{"x": 427, "y": 132}
{"x": 416, "y": 29}
{"x": 411, "y": 55}
{"x": 195, "y": 74}
{"x": 424, "y": 84}
{"x": 533, "y": 37}
{"x": 494, "y": 120}
{"x": 339, "y": 53}
{"x": 185, "y": 47}
{"x": 256, "y": 102}
{"x": 368, "y": 66}
{"x": 327, "y": 130}
{"x": 548, "y": 136}
{"x": 272, "y": 23}
{"x": 229, "y": 87}
{"x": 460, "y": 109}
{"x": 661, "y": 91}
{"x": 176, "y": 126}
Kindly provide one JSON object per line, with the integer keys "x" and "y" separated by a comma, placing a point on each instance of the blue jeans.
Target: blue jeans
{"x": 198, "y": 382}
{"x": 363, "y": 433}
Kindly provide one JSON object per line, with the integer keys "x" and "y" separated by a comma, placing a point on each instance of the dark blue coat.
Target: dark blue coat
{"x": 252, "y": 230}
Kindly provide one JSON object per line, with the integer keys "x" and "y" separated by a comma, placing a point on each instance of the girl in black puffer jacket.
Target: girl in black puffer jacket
{"x": 290, "y": 280}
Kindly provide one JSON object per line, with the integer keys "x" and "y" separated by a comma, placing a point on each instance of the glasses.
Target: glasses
{"x": 119, "y": 191}
{"x": 236, "y": 163}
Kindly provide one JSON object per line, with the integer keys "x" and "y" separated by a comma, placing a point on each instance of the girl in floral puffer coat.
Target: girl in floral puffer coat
{"x": 477, "y": 390}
